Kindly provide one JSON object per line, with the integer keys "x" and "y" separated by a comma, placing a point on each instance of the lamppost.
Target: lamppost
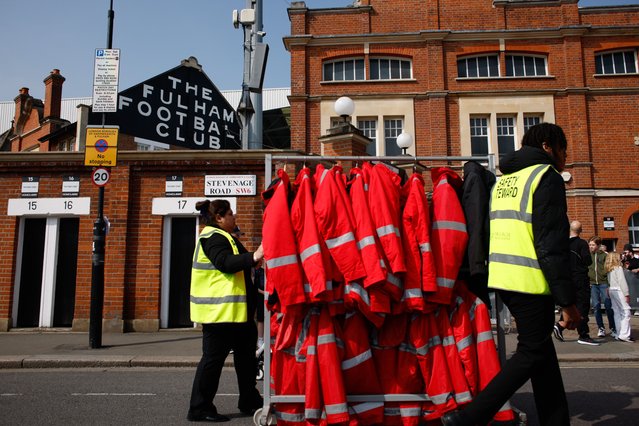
{"x": 404, "y": 141}
{"x": 344, "y": 107}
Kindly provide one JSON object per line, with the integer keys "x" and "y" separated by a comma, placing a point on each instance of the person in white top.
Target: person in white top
{"x": 619, "y": 296}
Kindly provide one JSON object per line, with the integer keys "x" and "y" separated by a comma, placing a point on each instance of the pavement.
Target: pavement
{"x": 61, "y": 348}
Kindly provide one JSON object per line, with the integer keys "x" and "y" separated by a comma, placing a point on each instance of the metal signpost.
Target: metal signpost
{"x": 101, "y": 150}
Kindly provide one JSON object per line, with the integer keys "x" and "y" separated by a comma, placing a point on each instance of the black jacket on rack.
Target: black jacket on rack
{"x": 475, "y": 198}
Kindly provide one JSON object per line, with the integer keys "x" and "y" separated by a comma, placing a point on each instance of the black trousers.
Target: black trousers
{"x": 534, "y": 359}
{"x": 217, "y": 342}
{"x": 582, "y": 303}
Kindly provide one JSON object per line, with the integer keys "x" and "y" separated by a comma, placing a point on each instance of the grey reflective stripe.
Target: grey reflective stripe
{"x": 424, "y": 247}
{"x": 405, "y": 347}
{"x": 394, "y": 280}
{"x": 511, "y": 214}
{"x": 359, "y": 290}
{"x": 463, "y": 397}
{"x": 445, "y": 282}
{"x": 449, "y": 225}
{"x": 312, "y": 413}
{"x": 204, "y": 266}
{"x": 307, "y": 288}
{"x": 412, "y": 293}
{"x": 366, "y": 187}
{"x": 464, "y": 343}
{"x": 391, "y": 411}
{"x": 484, "y": 336}
{"x": 448, "y": 340}
{"x": 410, "y": 411}
{"x": 505, "y": 407}
{"x": 311, "y": 350}
{"x": 339, "y": 342}
{"x": 338, "y": 241}
{"x": 310, "y": 251}
{"x": 366, "y": 406}
{"x": 441, "y": 398}
{"x": 443, "y": 181}
{"x": 336, "y": 408}
{"x": 324, "y": 339}
{"x": 357, "y": 360}
{"x": 329, "y": 285}
{"x": 434, "y": 341}
{"x": 526, "y": 194}
{"x": 282, "y": 261}
{"x": 382, "y": 231}
{"x": 365, "y": 242}
{"x": 324, "y": 173}
{"x": 289, "y": 417}
{"x": 512, "y": 259}
{"x": 218, "y": 300}
{"x": 423, "y": 350}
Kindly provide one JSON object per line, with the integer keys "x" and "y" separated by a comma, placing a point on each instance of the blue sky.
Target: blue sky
{"x": 153, "y": 35}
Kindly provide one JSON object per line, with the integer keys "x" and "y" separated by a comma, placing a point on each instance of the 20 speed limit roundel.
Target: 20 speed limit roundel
{"x": 100, "y": 176}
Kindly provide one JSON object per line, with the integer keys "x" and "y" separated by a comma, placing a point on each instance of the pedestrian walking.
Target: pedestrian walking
{"x": 529, "y": 251}
{"x": 223, "y": 300}
{"x": 599, "y": 287}
{"x": 619, "y": 297}
{"x": 580, "y": 260}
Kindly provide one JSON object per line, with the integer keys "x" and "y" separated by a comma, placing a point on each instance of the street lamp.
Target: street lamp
{"x": 344, "y": 107}
{"x": 404, "y": 141}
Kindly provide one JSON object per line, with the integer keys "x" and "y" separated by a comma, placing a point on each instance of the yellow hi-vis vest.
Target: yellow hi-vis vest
{"x": 216, "y": 296}
{"x": 512, "y": 260}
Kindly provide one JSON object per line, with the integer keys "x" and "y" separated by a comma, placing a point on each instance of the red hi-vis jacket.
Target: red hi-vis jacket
{"x": 416, "y": 221}
{"x": 487, "y": 356}
{"x": 358, "y": 370}
{"x": 424, "y": 336}
{"x": 283, "y": 271}
{"x": 335, "y": 226}
{"x": 464, "y": 338}
{"x": 448, "y": 235}
{"x": 308, "y": 239}
{"x": 383, "y": 200}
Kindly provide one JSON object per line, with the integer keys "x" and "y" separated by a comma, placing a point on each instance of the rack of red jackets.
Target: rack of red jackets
{"x": 372, "y": 324}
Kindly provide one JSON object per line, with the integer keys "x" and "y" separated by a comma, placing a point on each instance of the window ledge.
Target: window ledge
{"x": 399, "y": 80}
{"x": 627, "y": 74}
{"x": 514, "y": 77}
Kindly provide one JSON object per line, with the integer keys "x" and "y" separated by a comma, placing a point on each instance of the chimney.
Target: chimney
{"x": 53, "y": 94}
{"x": 23, "y": 106}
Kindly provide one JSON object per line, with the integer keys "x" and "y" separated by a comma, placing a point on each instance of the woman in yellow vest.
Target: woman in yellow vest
{"x": 528, "y": 266}
{"x": 223, "y": 300}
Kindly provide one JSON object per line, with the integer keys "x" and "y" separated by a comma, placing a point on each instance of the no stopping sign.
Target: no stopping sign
{"x": 100, "y": 176}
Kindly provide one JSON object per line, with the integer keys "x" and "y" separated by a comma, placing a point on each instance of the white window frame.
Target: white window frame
{"x": 466, "y": 59}
{"x": 536, "y": 73}
{"x": 149, "y": 145}
{"x": 369, "y": 127}
{"x": 539, "y": 118}
{"x": 599, "y": 58}
{"x": 633, "y": 229}
{"x": 390, "y": 59}
{"x": 474, "y": 125}
{"x": 342, "y": 62}
{"x": 506, "y": 126}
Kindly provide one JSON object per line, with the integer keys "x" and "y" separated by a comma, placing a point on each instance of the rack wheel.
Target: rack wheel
{"x": 260, "y": 420}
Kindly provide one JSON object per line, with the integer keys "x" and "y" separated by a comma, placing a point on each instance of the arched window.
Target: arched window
{"x": 525, "y": 66}
{"x": 633, "y": 229}
{"x": 478, "y": 66}
{"x": 620, "y": 62}
{"x": 349, "y": 69}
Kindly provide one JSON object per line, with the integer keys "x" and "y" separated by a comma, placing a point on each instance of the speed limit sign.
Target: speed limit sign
{"x": 100, "y": 176}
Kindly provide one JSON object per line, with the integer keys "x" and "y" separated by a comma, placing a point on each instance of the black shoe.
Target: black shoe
{"x": 452, "y": 418}
{"x": 210, "y": 417}
{"x": 587, "y": 341}
{"x": 558, "y": 332}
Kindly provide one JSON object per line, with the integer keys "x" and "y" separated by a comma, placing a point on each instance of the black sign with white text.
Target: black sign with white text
{"x": 179, "y": 107}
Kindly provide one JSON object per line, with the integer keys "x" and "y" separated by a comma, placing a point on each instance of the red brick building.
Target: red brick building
{"x": 463, "y": 78}
{"x": 469, "y": 77}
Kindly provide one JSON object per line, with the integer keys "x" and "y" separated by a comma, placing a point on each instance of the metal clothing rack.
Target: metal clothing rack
{"x": 264, "y": 416}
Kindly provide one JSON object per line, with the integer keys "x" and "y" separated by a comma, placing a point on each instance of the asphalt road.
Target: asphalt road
{"x": 601, "y": 394}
